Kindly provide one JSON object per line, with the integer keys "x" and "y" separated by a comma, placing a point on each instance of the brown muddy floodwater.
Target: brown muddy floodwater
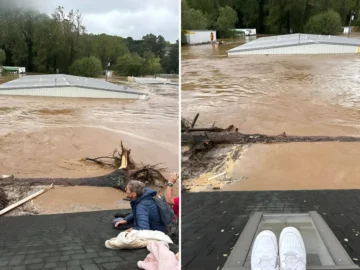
{"x": 49, "y": 137}
{"x": 299, "y": 95}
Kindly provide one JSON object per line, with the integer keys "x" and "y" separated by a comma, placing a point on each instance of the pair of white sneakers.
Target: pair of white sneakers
{"x": 291, "y": 254}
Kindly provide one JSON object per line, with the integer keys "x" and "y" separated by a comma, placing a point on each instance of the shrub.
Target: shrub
{"x": 325, "y": 23}
{"x": 87, "y": 67}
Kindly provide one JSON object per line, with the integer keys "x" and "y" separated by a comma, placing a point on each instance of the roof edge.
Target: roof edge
{"x": 74, "y": 85}
{"x": 237, "y": 49}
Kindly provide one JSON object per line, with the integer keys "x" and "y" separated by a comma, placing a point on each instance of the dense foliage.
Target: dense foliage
{"x": 327, "y": 23}
{"x": 269, "y": 16}
{"x": 87, "y": 66}
{"x": 59, "y": 43}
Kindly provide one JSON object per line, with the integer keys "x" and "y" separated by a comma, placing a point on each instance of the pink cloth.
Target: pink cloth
{"x": 160, "y": 258}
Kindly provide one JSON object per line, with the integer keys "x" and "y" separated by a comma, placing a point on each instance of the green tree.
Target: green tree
{"x": 151, "y": 66}
{"x": 170, "y": 62}
{"x": 267, "y": 16}
{"x": 87, "y": 67}
{"x": 248, "y": 11}
{"x": 325, "y": 23}
{"x": 2, "y": 57}
{"x": 109, "y": 48}
{"x": 49, "y": 44}
{"x": 68, "y": 30}
{"x": 192, "y": 19}
{"x": 130, "y": 64}
{"x": 226, "y": 21}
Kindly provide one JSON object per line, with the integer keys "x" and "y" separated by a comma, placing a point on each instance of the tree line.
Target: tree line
{"x": 60, "y": 43}
{"x": 269, "y": 16}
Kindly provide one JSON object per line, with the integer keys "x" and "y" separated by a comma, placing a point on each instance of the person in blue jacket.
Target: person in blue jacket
{"x": 145, "y": 214}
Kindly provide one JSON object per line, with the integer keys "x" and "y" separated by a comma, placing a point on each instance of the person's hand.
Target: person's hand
{"x": 121, "y": 222}
{"x": 173, "y": 177}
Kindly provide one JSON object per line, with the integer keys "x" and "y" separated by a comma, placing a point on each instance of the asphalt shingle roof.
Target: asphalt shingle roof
{"x": 206, "y": 214}
{"x": 63, "y": 241}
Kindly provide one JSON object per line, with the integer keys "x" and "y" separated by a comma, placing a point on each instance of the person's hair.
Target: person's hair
{"x": 137, "y": 187}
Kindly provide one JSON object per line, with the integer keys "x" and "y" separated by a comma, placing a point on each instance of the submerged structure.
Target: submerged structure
{"x": 61, "y": 85}
{"x": 200, "y": 36}
{"x": 298, "y": 44}
{"x": 20, "y": 70}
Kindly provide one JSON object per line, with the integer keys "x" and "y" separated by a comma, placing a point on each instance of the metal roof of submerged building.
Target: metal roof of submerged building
{"x": 294, "y": 40}
{"x": 63, "y": 80}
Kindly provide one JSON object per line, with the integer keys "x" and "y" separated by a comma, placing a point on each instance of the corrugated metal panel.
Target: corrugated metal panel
{"x": 292, "y": 40}
{"x": 71, "y": 92}
{"x": 303, "y": 49}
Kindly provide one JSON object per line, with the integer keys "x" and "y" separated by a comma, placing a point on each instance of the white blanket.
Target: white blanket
{"x": 136, "y": 239}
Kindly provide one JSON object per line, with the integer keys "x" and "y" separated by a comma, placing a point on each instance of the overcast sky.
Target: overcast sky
{"x": 134, "y": 18}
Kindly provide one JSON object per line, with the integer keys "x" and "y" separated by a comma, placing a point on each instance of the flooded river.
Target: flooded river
{"x": 49, "y": 137}
{"x": 299, "y": 95}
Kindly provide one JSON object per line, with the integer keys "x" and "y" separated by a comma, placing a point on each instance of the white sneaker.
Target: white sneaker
{"x": 292, "y": 250}
{"x": 264, "y": 254}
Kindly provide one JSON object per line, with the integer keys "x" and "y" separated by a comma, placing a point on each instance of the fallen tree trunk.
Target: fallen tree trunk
{"x": 240, "y": 138}
{"x": 203, "y": 138}
{"x": 117, "y": 179}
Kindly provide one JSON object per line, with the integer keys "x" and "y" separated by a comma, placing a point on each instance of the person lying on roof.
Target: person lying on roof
{"x": 145, "y": 213}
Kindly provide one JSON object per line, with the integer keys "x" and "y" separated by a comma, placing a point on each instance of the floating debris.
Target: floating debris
{"x": 225, "y": 255}
{"x": 346, "y": 240}
{"x": 222, "y": 230}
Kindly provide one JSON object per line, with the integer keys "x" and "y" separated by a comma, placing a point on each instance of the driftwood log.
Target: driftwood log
{"x": 205, "y": 138}
{"x": 224, "y": 137}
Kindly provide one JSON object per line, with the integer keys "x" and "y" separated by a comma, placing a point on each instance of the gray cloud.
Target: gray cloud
{"x": 134, "y": 18}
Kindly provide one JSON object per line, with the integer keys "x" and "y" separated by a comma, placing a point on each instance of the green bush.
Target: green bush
{"x": 325, "y": 23}
{"x": 130, "y": 64}
{"x": 87, "y": 67}
{"x": 152, "y": 66}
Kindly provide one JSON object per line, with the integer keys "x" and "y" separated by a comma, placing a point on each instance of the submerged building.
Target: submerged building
{"x": 20, "y": 70}
{"x": 298, "y": 44}
{"x": 60, "y": 85}
{"x": 200, "y": 36}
